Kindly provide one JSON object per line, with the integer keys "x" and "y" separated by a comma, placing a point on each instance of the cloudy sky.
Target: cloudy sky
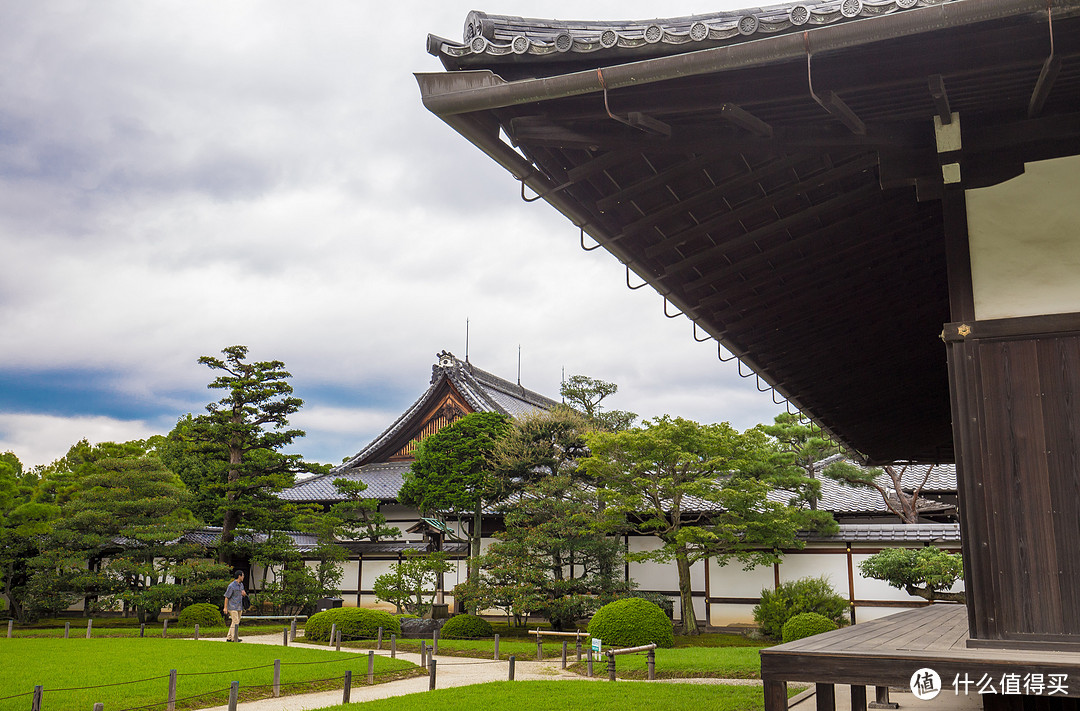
{"x": 181, "y": 176}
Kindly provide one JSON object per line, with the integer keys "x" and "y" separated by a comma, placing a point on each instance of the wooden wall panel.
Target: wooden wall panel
{"x": 1017, "y": 420}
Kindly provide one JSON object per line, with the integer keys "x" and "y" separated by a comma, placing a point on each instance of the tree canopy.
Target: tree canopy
{"x": 585, "y": 394}
{"x": 924, "y": 572}
{"x": 803, "y": 445}
{"x": 702, "y": 490}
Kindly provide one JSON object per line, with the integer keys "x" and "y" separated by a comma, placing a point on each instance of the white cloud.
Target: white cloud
{"x": 41, "y": 439}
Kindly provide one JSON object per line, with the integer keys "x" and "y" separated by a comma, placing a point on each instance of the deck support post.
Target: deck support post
{"x": 858, "y": 697}
{"x": 825, "y": 695}
{"x": 775, "y": 695}
{"x": 881, "y": 699}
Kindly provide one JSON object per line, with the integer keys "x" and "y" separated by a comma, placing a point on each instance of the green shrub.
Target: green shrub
{"x": 354, "y": 623}
{"x": 466, "y": 627}
{"x": 202, "y": 614}
{"x": 794, "y": 597}
{"x": 632, "y": 622}
{"x": 806, "y": 624}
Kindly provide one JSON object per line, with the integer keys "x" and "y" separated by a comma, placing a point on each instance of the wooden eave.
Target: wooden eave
{"x": 804, "y": 234}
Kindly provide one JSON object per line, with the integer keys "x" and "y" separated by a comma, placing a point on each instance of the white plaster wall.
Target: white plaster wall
{"x": 721, "y": 615}
{"x": 1024, "y": 240}
{"x": 732, "y": 581}
{"x": 661, "y": 576}
{"x": 814, "y": 565}
{"x": 870, "y": 589}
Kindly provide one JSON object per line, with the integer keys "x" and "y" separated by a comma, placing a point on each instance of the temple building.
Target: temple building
{"x": 871, "y": 204}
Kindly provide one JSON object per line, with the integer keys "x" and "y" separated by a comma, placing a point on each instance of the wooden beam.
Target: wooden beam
{"x": 715, "y": 192}
{"x": 767, "y": 202}
{"x": 1047, "y": 77}
{"x": 941, "y": 98}
{"x": 657, "y": 180}
{"x": 746, "y": 120}
{"x": 716, "y": 251}
{"x": 835, "y": 105}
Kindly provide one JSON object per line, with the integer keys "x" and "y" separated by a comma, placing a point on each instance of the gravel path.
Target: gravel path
{"x": 449, "y": 672}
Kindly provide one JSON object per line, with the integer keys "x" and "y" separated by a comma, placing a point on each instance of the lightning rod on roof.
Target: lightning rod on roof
{"x": 466, "y": 340}
{"x": 519, "y": 365}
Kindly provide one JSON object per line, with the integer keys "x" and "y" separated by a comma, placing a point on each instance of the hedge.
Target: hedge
{"x": 353, "y": 622}
{"x": 632, "y": 622}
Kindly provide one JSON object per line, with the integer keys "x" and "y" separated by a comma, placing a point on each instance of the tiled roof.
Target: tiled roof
{"x": 392, "y": 547}
{"x": 490, "y": 39}
{"x": 891, "y": 533}
{"x": 483, "y": 391}
{"x": 210, "y": 536}
{"x": 383, "y": 481}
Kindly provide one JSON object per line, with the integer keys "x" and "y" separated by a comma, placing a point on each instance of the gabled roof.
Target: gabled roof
{"x": 482, "y": 391}
{"x": 782, "y": 189}
{"x": 934, "y": 533}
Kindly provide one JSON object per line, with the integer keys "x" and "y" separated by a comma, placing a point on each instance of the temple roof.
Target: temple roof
{"x": 783, "y": 189}
{"x": 490, "y": 40}
{"x": 481, "y": 391}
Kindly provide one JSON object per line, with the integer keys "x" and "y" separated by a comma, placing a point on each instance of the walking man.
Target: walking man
{"x": 234, "y": 605}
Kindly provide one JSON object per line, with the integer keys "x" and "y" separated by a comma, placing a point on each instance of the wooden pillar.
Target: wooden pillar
{"x": 858, "y": 697}
{"x": 775, "y": 695}
{"x": 825, "y": 696}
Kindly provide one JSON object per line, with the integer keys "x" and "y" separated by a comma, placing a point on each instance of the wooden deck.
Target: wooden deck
{"x": 887, "y": 652}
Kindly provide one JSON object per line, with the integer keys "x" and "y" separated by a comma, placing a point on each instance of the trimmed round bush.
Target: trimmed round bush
{"x": 202, "y": 614}
{"x": 797, "y": 596}
{"x": 466, "y": 627}
{"x": 632, "y": 622}
{"x": 353, "y": 622}
{"x": 806, "y": 624}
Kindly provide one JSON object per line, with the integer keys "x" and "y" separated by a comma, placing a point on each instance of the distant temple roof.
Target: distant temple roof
{"x": 456, "y": 388}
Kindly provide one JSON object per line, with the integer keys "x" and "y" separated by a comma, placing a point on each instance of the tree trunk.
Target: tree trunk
{"x": 932, "y": 596}
{"x": 473, "y": 575}
{"x": 686, "y": 597}
{"x": 231, "y": 519}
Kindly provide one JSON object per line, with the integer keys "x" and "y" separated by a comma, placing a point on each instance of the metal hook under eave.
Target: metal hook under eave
{"x": 778, "y": 402}
{"x": 745, "y": 375}
{"x": 670, "y": 315}
{"x": 633, "y": 288}
{"x": 540, "y": 196}
{"x": 722, "y": 358}
{"x": 587, "y": 249}
{"x": 757, "y": 382}
{"x": 700, "y": 340}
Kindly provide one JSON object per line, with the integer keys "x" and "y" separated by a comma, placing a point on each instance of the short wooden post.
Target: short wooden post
{"x": 588, "y": 664}
{"x": 10, "y": 627}
{"x": 776, "y": 698}
{"x": 610, "y": 666}
{"x": 35, "y": 703}
{"x": 825, "y": 697}
{"x": 172, "y": 690}
{"x": 285, "y": 638}
{"x": 165, "y": 629}
{"x": 512, "y": 660}
{"x": 196, "y": 631}
{"x": 539, "y": 649}
{"x": 496, "y": 647}
{"x": 142, "y": 630}
{"x": 564, "y": 654}
{"x": 89, "y": 626}
{"x": 650, "y": 660}
{"x": 431, "y": 675}
{"x": 858, "y": 697}
{"x": 292, "y": 630}
{"x": 882, "y": 700}
{"x": 337, "y": 642}
{"x": 393, "y": 646}
{"x": 434, "y": 642}
{"x": 378, "y": 643}
{"x": 99, "y": 706}
{"x": 277, "y": 678}
{"x": 347, "y": 691}
{"x": 234, "y": 694}
{"x": 577, "y": 647}
{"x": 333, "y": 634}
{"x": 67, "y": 630}
{"x": 423, "y": 653}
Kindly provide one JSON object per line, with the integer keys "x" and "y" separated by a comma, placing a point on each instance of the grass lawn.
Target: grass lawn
{"x": 205, "y": 671}
{"x": 121, "y": 627}
{"x": 684, "y": 662}
{"x": 482, "y": 648}
{"x": 591, "y": 695}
